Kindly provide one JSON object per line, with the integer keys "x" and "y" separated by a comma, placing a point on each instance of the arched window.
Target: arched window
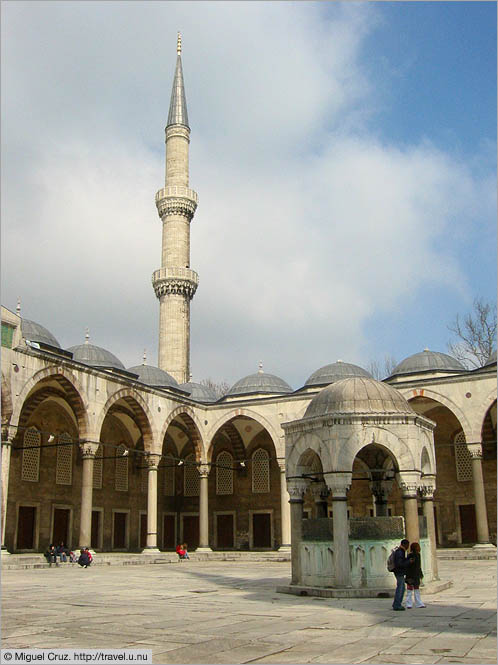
{"x": 191, "y": 478}
{"x": 31, "y": 455}
{"x": 224, "y": 473}
{"x": 463, "y": 460}
{"x": 121, "y": 480}
{"x": 64, "y": 468}
{"x": 97, "y": 469}
{"x": 169, "y": 476}
{"x": 260, "y": 472}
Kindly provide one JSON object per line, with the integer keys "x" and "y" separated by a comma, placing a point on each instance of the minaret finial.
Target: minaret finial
{"x": 179, "y": 43}
{"x": 144, "y": 357}
{"x": 87, "y": 335}
{"x": 18, "y": 307}
{"x": 260, "y": 367}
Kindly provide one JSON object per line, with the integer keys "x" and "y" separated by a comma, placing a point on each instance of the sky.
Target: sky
{"x": 344, "y": 155}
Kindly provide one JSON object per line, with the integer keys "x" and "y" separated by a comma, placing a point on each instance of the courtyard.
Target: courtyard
{"x": 229, "y": 612}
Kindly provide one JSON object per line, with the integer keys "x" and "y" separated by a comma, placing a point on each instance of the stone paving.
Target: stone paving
{"x": 213, "y": 612}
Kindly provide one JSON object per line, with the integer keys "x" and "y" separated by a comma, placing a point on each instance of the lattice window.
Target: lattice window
{"x": 169, "y": 476}
{"x": 64, "y": 468}
{"x": 260, "y": 472}
{"x": 191, "y": 478}
{"x": 224, "y": 473}
{"x": 463, "y": 460}
{"x": 31, "y": 456}
{"x": 98, "y": 469}
{"x": 121, "y": 481}
{"x": 144, "y": 481}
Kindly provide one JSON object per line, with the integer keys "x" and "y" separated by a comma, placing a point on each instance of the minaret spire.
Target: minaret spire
{"x": 175, "y": 283}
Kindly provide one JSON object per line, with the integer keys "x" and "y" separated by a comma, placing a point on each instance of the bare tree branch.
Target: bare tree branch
{"x": 475, "y": 334}
{"x": 219, "y": 388}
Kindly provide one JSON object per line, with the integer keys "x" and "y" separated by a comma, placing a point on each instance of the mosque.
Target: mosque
{"x": 138, "y": 459}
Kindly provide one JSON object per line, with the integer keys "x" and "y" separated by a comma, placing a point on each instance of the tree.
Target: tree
{"x": 219, "y": 388}
{"x": 475, "y": 334}
{"x": 381, "y": 371}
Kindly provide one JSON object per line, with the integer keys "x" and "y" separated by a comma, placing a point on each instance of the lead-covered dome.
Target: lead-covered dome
{"x": 34, "y": 332}
{"x": 261, "y": 382}
{"x": 198, "y": 392}
{"x": 427, "y": 361}
{"x": 154, "y": 377}
{"x": 491, "y": 360}
{"x": 335, "y": 372}
{"x": 95, "y": 356}
{"x": 358, "y": 395}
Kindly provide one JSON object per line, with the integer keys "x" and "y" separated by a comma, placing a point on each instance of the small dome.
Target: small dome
{"x": 198, "y": 392}
{"x": 491, "y": 360}
{"x": 261, "y": 382}
{"x": 153, "y": 376}
{"x": 95, "y": 356}
{"x": 358, "y": 395}
{"x": 335, "y": 372}
{"x": 34, "y": 332}
{"x": 427, "y": 361}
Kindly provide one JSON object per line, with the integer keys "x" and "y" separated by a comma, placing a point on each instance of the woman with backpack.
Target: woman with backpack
{"x": 413, "y": 576}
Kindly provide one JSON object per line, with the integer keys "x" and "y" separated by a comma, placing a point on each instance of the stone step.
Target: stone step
{"x": 468, "y": 553}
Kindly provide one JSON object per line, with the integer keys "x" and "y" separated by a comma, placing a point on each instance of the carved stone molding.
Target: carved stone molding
{"x": 408, "y": 490}
{"x": 175, "y": 286}
{"x": 427, "y": 492}
{"x": 176, "y": 206}
{"x": 339, "y": 484}
{"x": 475, "y": 450}
{"x": 381, "y": 489}
{"x": 296, "y": 487}
{"x": 320, "y": 492}
{"x": 151, "y": 461}
{"x": 204, "y": 470}
{"x": 177, "y": 130}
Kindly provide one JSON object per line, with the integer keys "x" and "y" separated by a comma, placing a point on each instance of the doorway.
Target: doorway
{"x": 224, "y": 531}
{"x": 60, "y": 531}
{"x": 120, "y": 524}
{"x": 95, "y": 535}
{"x": 143, "y": 530}
{"x": 261, "y": 530}
{"x": 26, "y": 521}
{"x": 468, "y": 525}
{"x": 191, "y": 531}
{"x": 169, "y": 536}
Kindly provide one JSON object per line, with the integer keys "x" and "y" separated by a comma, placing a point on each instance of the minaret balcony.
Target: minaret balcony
{"x": 175, "y": 280}
{"x": 176, "y": 200}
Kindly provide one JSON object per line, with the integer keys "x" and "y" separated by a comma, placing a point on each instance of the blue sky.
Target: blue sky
{"x": 344, "y": 156}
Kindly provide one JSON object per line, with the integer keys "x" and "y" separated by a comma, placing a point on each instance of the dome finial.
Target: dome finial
{"x": 87, "y": 335}
{"x": 426, "y": 348}
{"x": 190, "y": 377}
{"x": 18, "y": 307}
{"x": 144, "y": 357}
{"x": 179, "y": 44}
{"x": 260, "y": 367}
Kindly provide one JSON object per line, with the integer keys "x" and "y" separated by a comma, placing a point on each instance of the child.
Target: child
{"x": 413, "y": 576}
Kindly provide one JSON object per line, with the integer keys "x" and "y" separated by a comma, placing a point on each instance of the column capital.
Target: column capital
{"x": 281, "y": 463}
{"x": 152, "y": 461}
{"x": 89, "y": 449}
{"x": 408, "y": 482}
{"x": 428, "y": 487}
{"x": 296, "y": 488}
{"x": 320, "y": 491}
{"x": 204, "y": 470}
{"x": 339, "y": 484}
{"x": 381, "y": 489}
{"x": 475, "y": 450}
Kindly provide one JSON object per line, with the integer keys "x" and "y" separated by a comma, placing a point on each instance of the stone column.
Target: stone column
{"x": 7, "y": 438}
{"x": 296, "y": 488}
{"x": 427, "y": 494}
{"x": 285, "y": 511}
{"x": 409, "y": 482}
{"x": 151, "y": 461}
{"x": 475, "y": 450}
{"x": 339, "y": 484}
{"x": 204, "y": 510}
{"x": 88, "y": 452}
{"x": 381, "y": 489}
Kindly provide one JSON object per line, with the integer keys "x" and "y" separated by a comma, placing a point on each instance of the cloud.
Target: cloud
{"x": 307, "y": 226}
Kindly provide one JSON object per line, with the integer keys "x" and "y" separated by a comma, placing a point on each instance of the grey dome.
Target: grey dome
{"x": 95, "y": 356}
{"x": 198, "y": 392}
{"x": 491, "y": 360}
{"x": 358, "y": 395}
{"x": 426, "y": 361}
{"x": 335, "y": 372}
{"x": 261, "y": 382}
{"x": 153, "y": 376}
{"x": 34, "y": 332}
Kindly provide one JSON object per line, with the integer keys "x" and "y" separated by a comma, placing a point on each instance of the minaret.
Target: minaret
{"x": 175, "y": 283}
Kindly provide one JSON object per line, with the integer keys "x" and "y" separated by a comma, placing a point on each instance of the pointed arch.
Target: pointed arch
{"x": 381, "y": 437}
{"x": 248, "y": 413}
{"x": 140, "y": 410}
{"x": 191, "y": 422}
{"x": 411, "y": 394}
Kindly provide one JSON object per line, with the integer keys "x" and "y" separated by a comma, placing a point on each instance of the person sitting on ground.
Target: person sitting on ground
{"x": 62, "y": 552}
{"x": 51, "y": 555}
{"x": 182, "y": 553}
{"x": 413, "y": 576}
{"x": 184, "y": 547}
{"x": 85, "y": 558}
{"x": 72, "y": 557}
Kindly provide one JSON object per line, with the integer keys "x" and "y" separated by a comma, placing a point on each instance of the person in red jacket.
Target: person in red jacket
{"x": 181, "y": 550}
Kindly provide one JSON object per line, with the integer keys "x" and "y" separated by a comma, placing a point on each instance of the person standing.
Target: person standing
{"x": 413, "y": 576}
{"x": 401, "y": 563}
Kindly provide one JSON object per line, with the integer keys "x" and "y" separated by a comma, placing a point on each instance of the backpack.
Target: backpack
{"x": 390, "y": 560}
